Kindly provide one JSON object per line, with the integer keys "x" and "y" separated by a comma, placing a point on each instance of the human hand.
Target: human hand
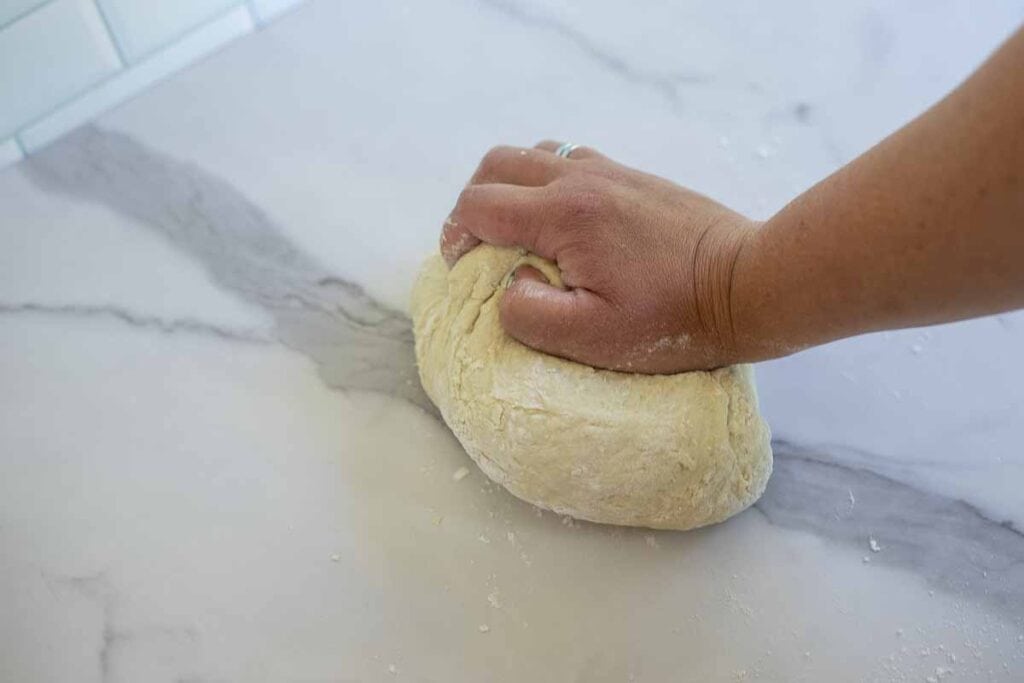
{"x": 648, "y": 265}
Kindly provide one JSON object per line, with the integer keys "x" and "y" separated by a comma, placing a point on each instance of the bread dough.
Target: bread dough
{"x": 661, "y": 451}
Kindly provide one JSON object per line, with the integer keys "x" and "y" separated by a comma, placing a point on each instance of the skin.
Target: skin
{"x": 926, "y": 227}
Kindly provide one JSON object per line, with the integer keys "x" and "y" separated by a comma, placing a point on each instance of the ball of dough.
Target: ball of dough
{"x": 660, "y": 451}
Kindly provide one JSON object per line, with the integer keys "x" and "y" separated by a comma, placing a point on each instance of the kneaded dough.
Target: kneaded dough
{"x": 660, "y": 451}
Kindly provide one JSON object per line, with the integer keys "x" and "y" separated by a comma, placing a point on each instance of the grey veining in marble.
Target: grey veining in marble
{"x": 948, "y": 542}
{"x": 179, "y": 325}
{"x": 195, "y": 292}
{"x": 356, "y": 342}
{"x": 117, "y": 635}
{"x": 668, "y": 84}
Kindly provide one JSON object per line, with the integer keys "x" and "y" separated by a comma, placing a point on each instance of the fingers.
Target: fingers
{"x": 518, "y": 166}
{"x": 578, "y": 153}
{"x": 499, "y": 214}
{"x": 456, "y": 241}
{"x": 497, "y": 207}
{"x": 530, "y": 167}
{"x": 549, "y": 319}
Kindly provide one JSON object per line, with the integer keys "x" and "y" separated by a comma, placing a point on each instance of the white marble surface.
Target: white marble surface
{"x": 215, "y": 462}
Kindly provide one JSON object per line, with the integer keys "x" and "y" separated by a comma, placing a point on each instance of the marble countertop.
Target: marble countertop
{"x": 216, "y": 463}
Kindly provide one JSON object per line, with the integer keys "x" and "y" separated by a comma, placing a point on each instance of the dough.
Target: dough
{"x": 660, "y": 451}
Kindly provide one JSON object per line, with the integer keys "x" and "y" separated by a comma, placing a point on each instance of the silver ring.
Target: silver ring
{"x": 565, "y": 149}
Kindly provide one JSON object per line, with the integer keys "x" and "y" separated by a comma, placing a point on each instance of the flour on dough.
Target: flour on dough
{"x": 660, "y": 451}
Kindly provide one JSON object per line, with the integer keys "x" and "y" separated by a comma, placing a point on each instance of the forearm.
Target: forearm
{"x": 926, "y": 227}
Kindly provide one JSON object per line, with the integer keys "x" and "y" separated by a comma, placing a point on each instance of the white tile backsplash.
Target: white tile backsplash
{"x": 141, "y": 26}
{"x": 12, "y": 9}
{"x": 63, "y": 62}
{"x": 48, "y": 56}
{"x": 138, "y": 77}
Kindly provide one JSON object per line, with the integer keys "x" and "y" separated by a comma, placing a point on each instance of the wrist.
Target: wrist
{"x": 721, "y": 255}
{"x": 754, "y": 300}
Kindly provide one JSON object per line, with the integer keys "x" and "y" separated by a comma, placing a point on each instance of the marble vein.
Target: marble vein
{"x": 355, "y": 341}
{"x": 830, "y": 452}
{"x": 115, "y": 637}
{"x": 358, "y": 343}
{"x": 135, "y": 319}
{"x": 951, "y": 544}
{"x": 668, "y": 84}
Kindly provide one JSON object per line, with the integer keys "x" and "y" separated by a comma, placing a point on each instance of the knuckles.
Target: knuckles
{"x": 476, "y": 202}
{"x": 472, "y": 201}
{"x": 493, "y": 160}
{"x": 465, "y": 198}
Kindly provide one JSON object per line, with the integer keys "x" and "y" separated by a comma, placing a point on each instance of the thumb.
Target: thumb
{"x": 562, "y": 322}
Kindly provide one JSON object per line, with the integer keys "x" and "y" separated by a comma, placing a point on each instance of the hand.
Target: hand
{"x": 648, "y": 265}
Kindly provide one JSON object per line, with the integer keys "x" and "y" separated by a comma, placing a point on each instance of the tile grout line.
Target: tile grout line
{"x": 70, "y": 99}
{"x": 185, "y": 33}
{"x": 31, "y": 10}
{"x": 128, "y": 68}
{"x": 110, "y": 33}
{"x": 17, "y": 135}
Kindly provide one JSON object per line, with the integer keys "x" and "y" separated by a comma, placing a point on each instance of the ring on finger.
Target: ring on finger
{"x": 565, "y": 149}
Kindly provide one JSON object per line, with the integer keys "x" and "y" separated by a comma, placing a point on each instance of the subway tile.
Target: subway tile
{"x": 10, "y": 152}
{"x": 13, "y": 9}
{"x": 49, "y": 56}
{"x": 141, "y": 26}
{"x": 138, "y": 77}
{"x": 268, "y": 10}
